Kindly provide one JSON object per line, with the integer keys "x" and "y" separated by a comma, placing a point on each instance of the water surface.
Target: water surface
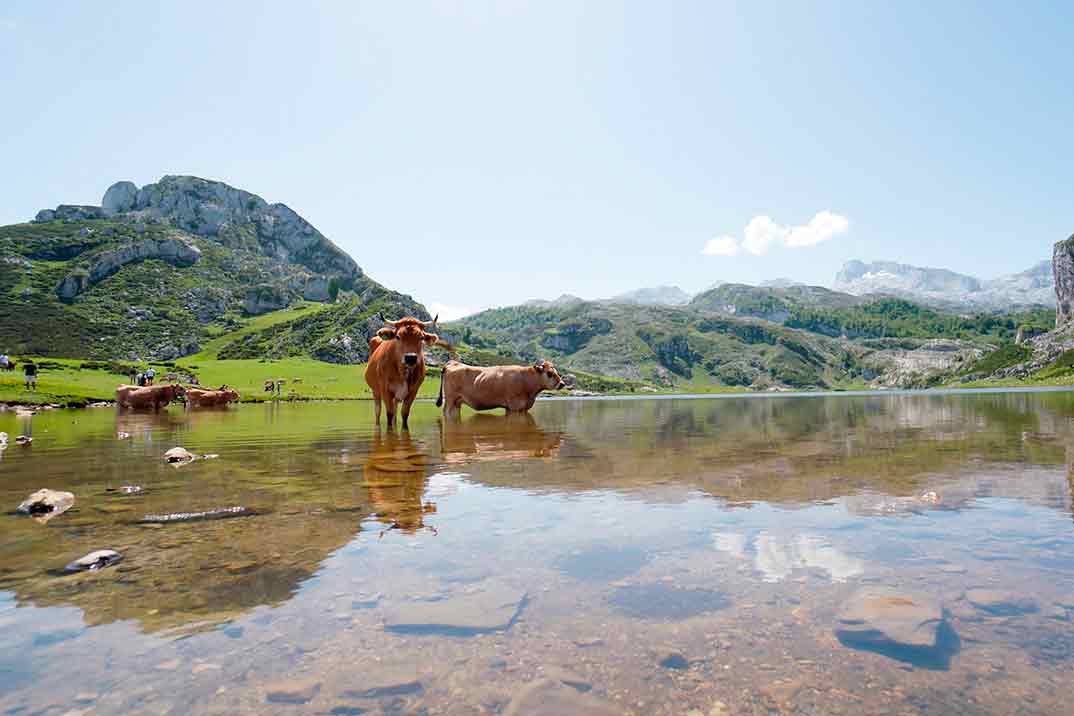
{"x": 661, "y": 556}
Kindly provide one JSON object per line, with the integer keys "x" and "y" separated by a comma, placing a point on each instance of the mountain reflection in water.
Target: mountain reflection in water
{"x": 754, "y": 518}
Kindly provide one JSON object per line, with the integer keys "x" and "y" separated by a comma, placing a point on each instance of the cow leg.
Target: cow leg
{"x": 406, "y": 412}
{"x": 376, "y": 409}
{"x": 390, "y": 405}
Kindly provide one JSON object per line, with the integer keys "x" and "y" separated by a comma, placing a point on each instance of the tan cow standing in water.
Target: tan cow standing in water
{"x": 512, "y": 387}
{"x": 396, "y": 366}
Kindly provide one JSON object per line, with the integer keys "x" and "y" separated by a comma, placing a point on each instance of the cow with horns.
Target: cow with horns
{"x": 396, "y": 367}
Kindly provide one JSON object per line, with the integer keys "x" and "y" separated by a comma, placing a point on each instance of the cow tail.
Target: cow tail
{"x": 440, "y": 398}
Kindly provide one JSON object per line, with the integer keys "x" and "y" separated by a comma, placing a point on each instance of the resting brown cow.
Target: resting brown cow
{"x": 199, "y": 398}
{"x": 513, "y": 387}
{"x": 153, "y": 396}
{"x": 396, "y": 367}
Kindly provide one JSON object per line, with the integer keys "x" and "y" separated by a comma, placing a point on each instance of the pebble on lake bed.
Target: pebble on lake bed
{"x": 98, "y": 559}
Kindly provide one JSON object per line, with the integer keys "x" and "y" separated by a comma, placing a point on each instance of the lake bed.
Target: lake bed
{"x": 902, "y": 554}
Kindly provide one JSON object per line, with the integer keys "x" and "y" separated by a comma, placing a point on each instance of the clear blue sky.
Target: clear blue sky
{"x": 479, "y": 154}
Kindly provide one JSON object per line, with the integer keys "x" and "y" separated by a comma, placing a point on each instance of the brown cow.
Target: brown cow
{"x": 199, "y": 398}
{"x": 513, "y": 387}
{"x": 153, "y": 396}
{"x": 396, "y": 366}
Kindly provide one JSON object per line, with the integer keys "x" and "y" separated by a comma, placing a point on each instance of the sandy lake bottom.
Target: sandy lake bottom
{"x": 882, "y": 554}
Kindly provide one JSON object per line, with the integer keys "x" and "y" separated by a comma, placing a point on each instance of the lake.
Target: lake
{"x": 865, "y": 554}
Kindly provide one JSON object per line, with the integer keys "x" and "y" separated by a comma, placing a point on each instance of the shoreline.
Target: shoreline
{"x": 80, "y": 404}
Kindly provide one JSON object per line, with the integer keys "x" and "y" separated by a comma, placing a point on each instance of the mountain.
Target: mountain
{"x": 565, "y": 299}
{"x": 659, "y": 345}
{"x": 948, "y": 290}
{"x": 655, "y": 296}
{"x": 155, "y": 272}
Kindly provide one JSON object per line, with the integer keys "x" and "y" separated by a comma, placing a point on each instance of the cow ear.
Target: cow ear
{"x": 430, "y": 338}
{"x": 539, "y": 367}
{"x": 386, "y": 333}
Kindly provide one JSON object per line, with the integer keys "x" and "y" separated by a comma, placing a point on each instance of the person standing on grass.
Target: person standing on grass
{"x": 133, "y": 375}
{"x": 150, "y": 374}
{"x": 29, "y": 370}
{"x": 4, "y": 361}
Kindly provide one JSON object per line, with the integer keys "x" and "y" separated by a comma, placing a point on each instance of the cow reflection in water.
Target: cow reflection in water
{"x": 395, "y": 475}
{"x": 488, "y": 438}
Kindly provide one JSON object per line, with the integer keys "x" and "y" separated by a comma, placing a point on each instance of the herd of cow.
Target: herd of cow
{"x": 395, "y": 373}
{"x": 159, "y": 396}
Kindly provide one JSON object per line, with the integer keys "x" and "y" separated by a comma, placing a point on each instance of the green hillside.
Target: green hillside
{"x": 167, "y": 270}
{"x": 667, "y": 347}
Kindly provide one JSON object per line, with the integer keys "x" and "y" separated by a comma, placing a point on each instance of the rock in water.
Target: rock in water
{"x": 178, "y": 454}
{"x": 491, "y": 609}
{"x": 550, "y": 697}
{"x": 98, "y": 559}
{"x": 902, "y": 625}
{"x": 1001, "y": 603}
{"x": 1063, "y": 272}
{"x": 46, "y": 504}
{"x": 293, "y": 691}
{"x": 218, "y": 513}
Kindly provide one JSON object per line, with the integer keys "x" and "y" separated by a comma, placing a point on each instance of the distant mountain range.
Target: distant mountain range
{"x": 946, "y": 289}
{"x": 940, "y": 289}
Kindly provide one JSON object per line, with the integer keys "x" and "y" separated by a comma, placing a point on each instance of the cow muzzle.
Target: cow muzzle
{"x": 561, "y": 385}
{"x": 410, "y": 359}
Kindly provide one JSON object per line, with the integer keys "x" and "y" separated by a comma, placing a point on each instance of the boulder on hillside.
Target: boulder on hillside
{"x": 120, "y": 197}
{"x": 171, "y": 249}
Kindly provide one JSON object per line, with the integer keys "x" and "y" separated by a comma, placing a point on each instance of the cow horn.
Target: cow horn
{"x": 390, "y": 323}
{"x": 432, "y": 323}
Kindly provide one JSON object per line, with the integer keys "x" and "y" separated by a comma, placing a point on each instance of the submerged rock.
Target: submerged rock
{"x": 494, "y": 608}
{"x": 1000, "y": 603}
{"x": 178, "y": 454}
{"x": 902, "y": 625}
{"x": 98, "y": 559}
{"x": 292, "y": 691}
{"x": 218, "y": 513}
{"x": 46, "y": 504}
{"x": 551, "y": 697}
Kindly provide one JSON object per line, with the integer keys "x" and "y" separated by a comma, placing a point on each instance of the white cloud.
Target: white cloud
{"x": 448, "y": 313}
{"x": 721, "y": 246}
{"x": 822, "y": 227}
{"x": 761, "y": 233}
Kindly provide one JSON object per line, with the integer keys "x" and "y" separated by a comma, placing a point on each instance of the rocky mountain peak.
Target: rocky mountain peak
{"x": 218, "y": 211}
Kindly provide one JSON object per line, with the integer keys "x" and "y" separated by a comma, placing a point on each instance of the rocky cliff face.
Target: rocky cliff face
{"x": 1063, "y": 273}
{"x": 173, "y": 250}
{"x": 215, "y": 210}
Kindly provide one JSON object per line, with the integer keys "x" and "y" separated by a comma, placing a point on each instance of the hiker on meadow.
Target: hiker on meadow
{"x": 150, "y": 374}
{"x": 132, "y": 374}
{"x": 5, "y": 362}
{"x": 29, "y": 370}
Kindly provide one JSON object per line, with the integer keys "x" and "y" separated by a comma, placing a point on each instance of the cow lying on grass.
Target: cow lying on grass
{"x": 199, "y": 398}
{"x": 512, "y": 387}
{"x": 153, "y": 396}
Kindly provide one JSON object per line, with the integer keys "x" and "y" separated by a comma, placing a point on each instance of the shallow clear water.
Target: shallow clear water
{"x": 660, "y": 556}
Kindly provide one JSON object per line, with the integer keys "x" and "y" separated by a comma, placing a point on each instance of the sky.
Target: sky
{"x": 482, "y": 154}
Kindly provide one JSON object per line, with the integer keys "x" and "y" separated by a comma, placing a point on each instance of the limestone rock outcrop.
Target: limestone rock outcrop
{"x": 1063, "y": 272}
{"x": 119, "y": 198}
{"x": 172, "y": 249}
